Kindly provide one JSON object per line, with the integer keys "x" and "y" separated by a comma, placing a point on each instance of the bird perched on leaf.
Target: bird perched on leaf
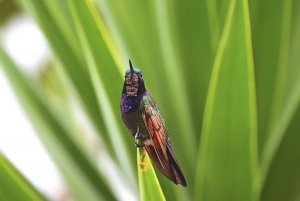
{"x": 145, "y": 123}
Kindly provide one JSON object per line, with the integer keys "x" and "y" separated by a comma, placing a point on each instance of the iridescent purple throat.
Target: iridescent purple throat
{"x": 129, "y": 103}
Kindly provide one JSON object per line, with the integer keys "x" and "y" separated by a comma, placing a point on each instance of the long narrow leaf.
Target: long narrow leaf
{"x": 271, "y": 48}
{"x": 283, "y": 182}
{"x": 150, "y": 189}
{"x": 83, "y": 178}
{"x": 228, "y": 154}
{"x": 106, "y": 80}
{"x": 286, "y": 88}
{"x": 13, "y": 186}
{"x": 72, "y": 65}
{"x": 195, "y": 32}
{"x": 282, "y": 149}
{"x": 60, "y": 14}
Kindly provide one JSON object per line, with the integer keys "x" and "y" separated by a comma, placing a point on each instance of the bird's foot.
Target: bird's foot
{"x": 138, "y": 139}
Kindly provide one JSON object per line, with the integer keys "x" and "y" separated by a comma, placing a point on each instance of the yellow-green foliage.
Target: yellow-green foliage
{"x": 225, "y": 74}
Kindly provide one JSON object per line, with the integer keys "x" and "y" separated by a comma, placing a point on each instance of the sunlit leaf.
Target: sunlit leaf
{"x": 13, "y": 186}
{"x": 105, "y": 77}
{"x": 72, "y": 65}
{"x": 80, "y": 174}
{"x": 149, "y": 186}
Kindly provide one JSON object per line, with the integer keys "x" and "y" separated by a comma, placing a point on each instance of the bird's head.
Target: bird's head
{"x": 133, "y": 83}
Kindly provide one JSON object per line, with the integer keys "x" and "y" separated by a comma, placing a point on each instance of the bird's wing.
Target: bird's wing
{"x": 159, "y": 148}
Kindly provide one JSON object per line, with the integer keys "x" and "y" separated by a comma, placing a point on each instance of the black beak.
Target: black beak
{"x": 130, "y": 65}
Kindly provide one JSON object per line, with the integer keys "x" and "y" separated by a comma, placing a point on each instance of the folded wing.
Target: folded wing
{"x": 159, "y": 148}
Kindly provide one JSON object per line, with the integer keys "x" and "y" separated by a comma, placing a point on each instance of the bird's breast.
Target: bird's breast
{"x": 134, "y": 120}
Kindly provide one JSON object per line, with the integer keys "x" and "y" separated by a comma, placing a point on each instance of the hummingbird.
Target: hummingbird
{"x": 144, "y": 121}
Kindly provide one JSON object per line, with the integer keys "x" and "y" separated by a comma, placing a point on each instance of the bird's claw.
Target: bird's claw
{"x": 138, "y": 139}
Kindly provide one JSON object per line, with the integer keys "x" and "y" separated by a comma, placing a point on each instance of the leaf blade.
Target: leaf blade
{"x": 282, "y": 181}
{"x": 72, "y": 65}
{"x": 104, "y": 75}
{"x": 81, "y": 175}
{"x": 229, "y": 128}
{"x": 13, "y": 185}
{"x": 150, "y": 189}
{"x": 283, "y": 161}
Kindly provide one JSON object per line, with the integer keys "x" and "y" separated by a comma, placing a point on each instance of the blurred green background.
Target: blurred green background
{"x": 225, "y": 74}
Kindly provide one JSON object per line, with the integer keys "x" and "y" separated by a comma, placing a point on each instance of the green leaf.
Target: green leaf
{"x": 72, "y": 65}
{"x": 80, "y": 174}
{"x": 60, "y": 14}
{"x": 227, "y": 161}
{"x": 149, "y": 186}
{"x": 174, "y": 44}
{"x": 105, "y": 77}
{"x": 271, "y": 49}
{"x": 13, "y": 186}
{"x": 282, "y": 172}
{"x": 195, "y": 43}
{"x": 283, "y": 181}
{"x": 286, "y": 88}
